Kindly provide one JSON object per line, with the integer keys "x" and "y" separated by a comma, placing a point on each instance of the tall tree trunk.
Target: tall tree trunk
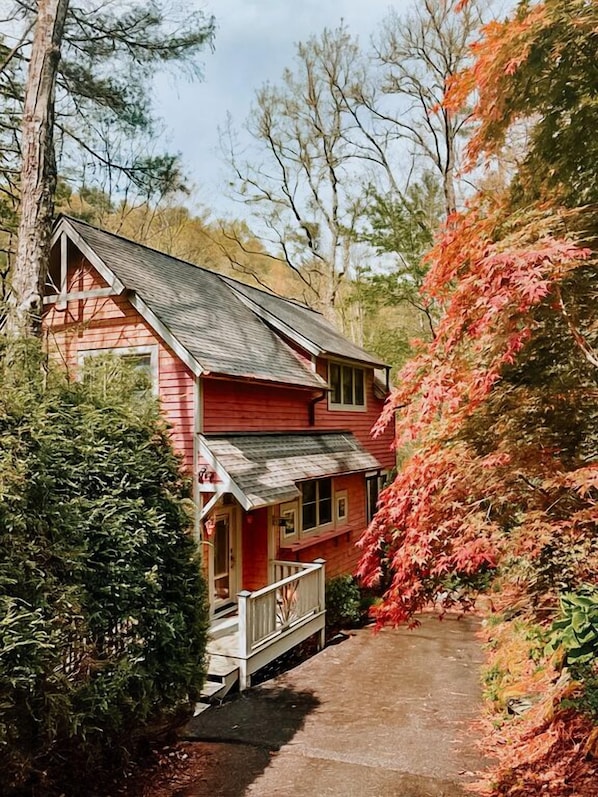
{"x": 38, "y": 172}
{"x": 448, "y": 169}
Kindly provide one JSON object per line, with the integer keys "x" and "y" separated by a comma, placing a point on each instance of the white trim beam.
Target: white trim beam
{"x": 226, "y": 484}
{"x": 166, "y": 335}
{"x": 93, "y": 258}
{"x": 205, "y": 510}
{"x": 94, "y": 293}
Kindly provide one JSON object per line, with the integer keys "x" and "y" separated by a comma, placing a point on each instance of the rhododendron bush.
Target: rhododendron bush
{"x": 497, "y": 417}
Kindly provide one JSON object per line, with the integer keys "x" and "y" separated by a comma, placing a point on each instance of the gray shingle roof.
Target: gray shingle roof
{"x": 310, "y": 324}
{"x": 202, "y": 312}
{"x": 266, "y": 467}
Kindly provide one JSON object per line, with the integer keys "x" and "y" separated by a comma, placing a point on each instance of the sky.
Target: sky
{"x": 253, "y": 44}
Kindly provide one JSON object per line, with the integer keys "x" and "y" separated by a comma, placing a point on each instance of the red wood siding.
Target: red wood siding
{"x": 340, "y": 553}
{"x": 235, "y": 406}
{"x": 112, "y": 322}
{"x": 360, "y": 422}
{"x": 255, "y": 549}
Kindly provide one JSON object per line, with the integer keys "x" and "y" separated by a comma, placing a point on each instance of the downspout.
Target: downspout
{"x": 312, "y": 406}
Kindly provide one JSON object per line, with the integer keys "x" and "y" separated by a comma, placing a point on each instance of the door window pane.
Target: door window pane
{"x": 221, "y": 559}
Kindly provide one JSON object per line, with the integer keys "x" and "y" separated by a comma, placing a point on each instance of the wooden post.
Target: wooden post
{"x": 322, "y": 588}
{"x": 245, "y": 626}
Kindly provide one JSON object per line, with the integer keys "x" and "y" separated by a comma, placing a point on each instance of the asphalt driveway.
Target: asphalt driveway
{"x": 384, "y": 715}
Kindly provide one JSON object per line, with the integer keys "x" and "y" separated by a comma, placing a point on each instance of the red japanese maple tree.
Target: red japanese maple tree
{"x": 496, "y": 417}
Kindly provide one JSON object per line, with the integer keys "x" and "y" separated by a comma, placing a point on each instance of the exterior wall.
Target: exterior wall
{"x": 228, "y": 406}
{"x": 234, "y": 406}
{"x": 254, "y": 536}
{"x": 112, "y": 322}
{"x": 340, "y": 551}
{"x": 360, "y": 422}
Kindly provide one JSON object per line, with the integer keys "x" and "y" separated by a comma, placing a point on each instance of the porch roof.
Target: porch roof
{"x": 266, "y": 467}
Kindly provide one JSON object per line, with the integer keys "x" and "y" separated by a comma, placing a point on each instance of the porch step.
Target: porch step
{"x": 211, "y": 689}
{"x": 224, "y": 626}
{"x": 222, "y": 676}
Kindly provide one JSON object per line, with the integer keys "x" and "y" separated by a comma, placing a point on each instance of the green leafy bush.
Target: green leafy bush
{"x": 343, "y": 602}
{"x": 576, "y": 628}
{"x": 103, "y": 616}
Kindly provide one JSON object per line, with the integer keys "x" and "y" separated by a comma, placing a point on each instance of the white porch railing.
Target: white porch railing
{"x": 281, "y": 615}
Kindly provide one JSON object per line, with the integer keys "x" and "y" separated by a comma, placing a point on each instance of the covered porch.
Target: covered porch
{"x": 263, "y": 603}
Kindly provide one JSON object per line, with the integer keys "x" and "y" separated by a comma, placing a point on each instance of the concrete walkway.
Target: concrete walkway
{"x": 383, "y": 715}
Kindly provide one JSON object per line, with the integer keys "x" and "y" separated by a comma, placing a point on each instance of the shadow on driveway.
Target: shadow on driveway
{"x": 239, "y": 737}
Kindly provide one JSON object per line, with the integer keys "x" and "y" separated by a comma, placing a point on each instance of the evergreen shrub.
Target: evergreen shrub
{"x": 103, "y": 615}
{"x": 343, "y": 603}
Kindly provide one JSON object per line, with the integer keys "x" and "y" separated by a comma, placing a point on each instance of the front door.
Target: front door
{"x": 225, "y": 585}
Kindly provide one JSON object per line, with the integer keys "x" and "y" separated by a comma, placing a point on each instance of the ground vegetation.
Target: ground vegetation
{"x": 103, "y": 606}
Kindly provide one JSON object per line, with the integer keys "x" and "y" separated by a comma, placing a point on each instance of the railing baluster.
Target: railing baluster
{"x": 265, "y": 613}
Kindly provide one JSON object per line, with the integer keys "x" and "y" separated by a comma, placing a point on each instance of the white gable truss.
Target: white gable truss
{"x": 64, "y": 232}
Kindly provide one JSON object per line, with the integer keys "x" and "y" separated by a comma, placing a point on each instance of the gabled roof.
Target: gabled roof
{"x": 219, "y": 323}
{"x": 266, "y": 467}
{"x": 300, "y": 323}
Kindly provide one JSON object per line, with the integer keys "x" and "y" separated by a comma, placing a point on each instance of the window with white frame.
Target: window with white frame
{"x": 321, "y": 509}
{"x": 316, "y": 504}
{"x": 347, "y": 386}
{"x": 143, "y": 359}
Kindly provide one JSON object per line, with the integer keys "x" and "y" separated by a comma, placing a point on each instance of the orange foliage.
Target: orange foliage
{"x": 502, "y": 49}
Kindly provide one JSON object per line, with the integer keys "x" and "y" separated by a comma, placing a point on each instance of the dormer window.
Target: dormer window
{"x": 347, "y": 386}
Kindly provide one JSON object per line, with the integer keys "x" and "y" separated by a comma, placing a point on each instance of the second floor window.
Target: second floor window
{"x": 347, "y": 386}
{"x": 142, "y": 360}
{"x": 316, "y": 504}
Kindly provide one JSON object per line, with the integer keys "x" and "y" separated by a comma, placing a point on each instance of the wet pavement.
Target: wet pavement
{"x": 377, "y": 715}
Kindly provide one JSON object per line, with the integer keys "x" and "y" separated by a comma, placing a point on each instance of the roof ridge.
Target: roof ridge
{"x": 275, "y": 295}
{"x": 124, "y": 238}
{"x": 218, "y": 274}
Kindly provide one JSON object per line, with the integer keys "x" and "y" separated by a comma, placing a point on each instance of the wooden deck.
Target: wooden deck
{"x": 270, "y": 622}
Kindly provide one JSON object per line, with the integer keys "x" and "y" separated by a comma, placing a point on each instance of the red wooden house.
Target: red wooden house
{"x": 271, "y": 409}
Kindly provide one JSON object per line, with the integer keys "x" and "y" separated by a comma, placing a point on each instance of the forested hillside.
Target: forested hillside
{"x": 341, "y": 176}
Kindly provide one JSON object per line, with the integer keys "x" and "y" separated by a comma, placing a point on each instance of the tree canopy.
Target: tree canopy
{"x": 76, "y": 88}
{"x": 499, "y": 410}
